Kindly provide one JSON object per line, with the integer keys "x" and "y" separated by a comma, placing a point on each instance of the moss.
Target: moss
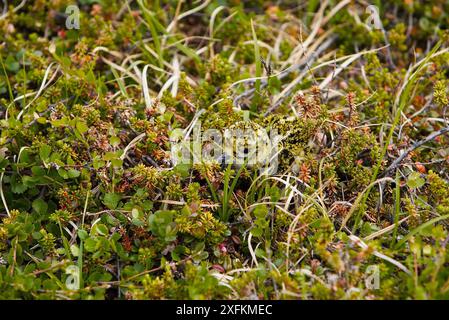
{"x": 219, "y": 71}
{"x": 359, "y": 153}
{"x": 438, "y": 189}
{"x": 147, "y": 177}
{"x": 48, "y": 242}
{"x": 201, "y": 225}
{"x": 440, "y": 94}
{"x": 89, "y": 146}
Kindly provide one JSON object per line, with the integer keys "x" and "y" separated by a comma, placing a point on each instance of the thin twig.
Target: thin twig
{"x": 416, "y": 145}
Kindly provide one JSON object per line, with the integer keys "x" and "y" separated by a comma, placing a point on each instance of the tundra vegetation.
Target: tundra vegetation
{"x": 92, "y": 205}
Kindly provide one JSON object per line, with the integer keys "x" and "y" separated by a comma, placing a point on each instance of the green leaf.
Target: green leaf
{"x": 82, "y": 234}
{"x": 111, "y": 200}
{"x": 137, "y": 222}
{"x": 108, "y": 156}
{"x": 135, "y": 213}
{"x": 40, "y": 206}
{"x": 75, "y": 250}
{"x": 261, "y": 211}
{"x": 63, "y": 173}
{"x": 81, "y": 127}
{"x": 114, "y": 141}
{"x": 11, "y": 64}
{"x": 90, "y": 245}
{"x": 59, "y": 122}
{"x": 117, "y": 163}
{"x": 44, "y": 152}
{"x": 162, "y": 225}
{"x": 38, "y": 171}
{"x": 101, "y": 229}
{"x": 415, "y": 181}
{"x": 257, "y": 232}
{"x": 73, "y": 173}
{"x": 17, "y": 186}
{"x": 37, "y": 235}
{"x": 182, "y": 169}
{"x": 98, "y": 163}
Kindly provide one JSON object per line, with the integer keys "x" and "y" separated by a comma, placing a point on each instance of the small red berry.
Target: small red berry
{"x": 62, "y": 33}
